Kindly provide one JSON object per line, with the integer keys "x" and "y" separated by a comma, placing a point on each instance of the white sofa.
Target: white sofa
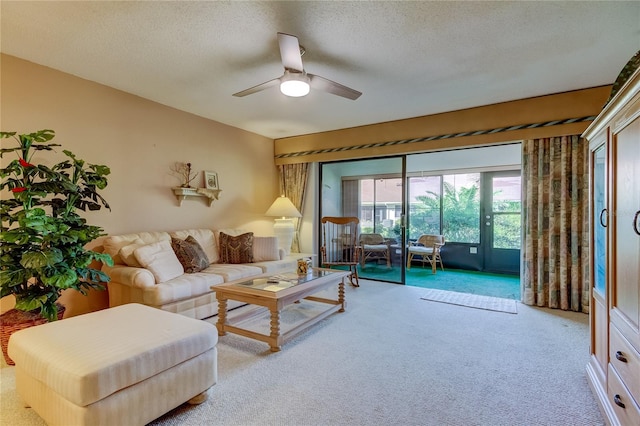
{"x": 145, "y": 271}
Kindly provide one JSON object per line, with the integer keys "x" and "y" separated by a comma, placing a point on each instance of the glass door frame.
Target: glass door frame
{"x": 401, "y": 175}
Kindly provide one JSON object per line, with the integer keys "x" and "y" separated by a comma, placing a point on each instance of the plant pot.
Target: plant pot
{"x": 15, "y": 320}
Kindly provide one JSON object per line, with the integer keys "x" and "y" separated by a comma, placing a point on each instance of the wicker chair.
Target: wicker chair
{"x": 427, "y": 248}
{"x": 374, "y": 246}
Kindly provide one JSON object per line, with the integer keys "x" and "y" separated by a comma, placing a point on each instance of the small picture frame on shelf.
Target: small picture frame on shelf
{"x": 211, "y": 180}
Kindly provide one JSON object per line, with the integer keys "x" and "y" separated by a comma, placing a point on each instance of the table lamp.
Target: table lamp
{"x": 283, "y": 228}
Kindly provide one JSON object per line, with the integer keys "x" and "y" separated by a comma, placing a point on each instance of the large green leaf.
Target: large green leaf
{"x": 41, "y": 259}
{"x": 12, "y": 277}
{"x": 30, "y": 302}
{"x": 61, "y": 278}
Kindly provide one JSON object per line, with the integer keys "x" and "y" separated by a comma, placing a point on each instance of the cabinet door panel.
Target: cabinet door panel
{"x": 627, "y": 242}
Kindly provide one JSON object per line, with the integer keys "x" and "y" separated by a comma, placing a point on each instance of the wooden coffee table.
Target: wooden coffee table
{"x": 275, "y": 292}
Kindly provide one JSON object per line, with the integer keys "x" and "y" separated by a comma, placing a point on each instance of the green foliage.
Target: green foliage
{"x": 460, "y": 214}
{"x": 42, "y": 239}
{"x": 506, "y": 231}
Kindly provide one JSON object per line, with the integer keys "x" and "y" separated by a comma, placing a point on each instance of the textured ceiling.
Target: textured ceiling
{"x": 408, "y": 58}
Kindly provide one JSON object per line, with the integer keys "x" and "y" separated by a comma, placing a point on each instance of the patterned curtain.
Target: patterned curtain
{"x": 555, "y": 216}
{"x": 294, "y": 184}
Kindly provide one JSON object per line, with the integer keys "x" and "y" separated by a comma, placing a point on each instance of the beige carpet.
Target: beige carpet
{"x": 472, "y": 300}
{"x": 394, "y": 359}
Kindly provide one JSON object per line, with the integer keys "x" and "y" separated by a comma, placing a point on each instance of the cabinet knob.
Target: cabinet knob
{"x": 618, "y": 401}
{"x": 620, "y": 357}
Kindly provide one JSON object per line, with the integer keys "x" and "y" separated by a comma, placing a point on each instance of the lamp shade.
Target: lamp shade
{"x": 283, "y": 207}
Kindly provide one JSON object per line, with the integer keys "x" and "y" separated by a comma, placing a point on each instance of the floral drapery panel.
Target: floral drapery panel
{"x": 294, "y": 184}
{"x": 555, "y": 214}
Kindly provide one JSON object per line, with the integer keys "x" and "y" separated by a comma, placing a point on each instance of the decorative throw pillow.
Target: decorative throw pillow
{"x": 265, "y": 248}
{"x": 160, "y": 260}
{"x": 238, "y": 249}
{"x": 126, "y": 253}
{"x": 112, "y": 246}
{"x": 190, "y": 254}
{"x": 204, "y": 237}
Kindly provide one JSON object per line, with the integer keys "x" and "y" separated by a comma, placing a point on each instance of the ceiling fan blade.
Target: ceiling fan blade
{"x": 332, "y": 87}
{"x": 290, "y": 52}
{"x": 259, "y": 87}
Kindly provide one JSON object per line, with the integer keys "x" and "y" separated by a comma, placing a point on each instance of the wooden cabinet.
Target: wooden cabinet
{"x": 614, "y": 192}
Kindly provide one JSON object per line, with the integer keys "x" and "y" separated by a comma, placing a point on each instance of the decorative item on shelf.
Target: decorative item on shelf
{"x": 283, "y": 228}
{"x": 211, "y": 180}
{"x": 210, "y": 194}
{"x": 184, "y": 173}
{"x": 43, "y": 237}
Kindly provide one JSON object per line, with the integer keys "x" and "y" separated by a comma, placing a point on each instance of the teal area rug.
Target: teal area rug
{"x": 473, "y": 282}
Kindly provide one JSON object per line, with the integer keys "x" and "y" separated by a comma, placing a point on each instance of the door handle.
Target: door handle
{"x": 603, "y": 214}
{"x": 635, "y": 222}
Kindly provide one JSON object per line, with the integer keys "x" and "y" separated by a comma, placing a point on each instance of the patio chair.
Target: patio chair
{"x": 374, "y": 246}
{"x": 427, "y": 248}
{"x": 340, "y": 245}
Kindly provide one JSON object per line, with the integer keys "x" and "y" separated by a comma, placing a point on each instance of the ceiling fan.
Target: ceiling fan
{"x": 296, "y": 81}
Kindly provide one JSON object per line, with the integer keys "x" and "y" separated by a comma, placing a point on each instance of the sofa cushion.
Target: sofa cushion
{"x": 265, "y": 249}
{"x": 236, "y": 250}
{"x": 205, "y": 238}
{"x": 189, "y": 254}
{"x": 184, "y": 287}
{"x": 233, "y": 272}
{"x": 160, "y": 260}
{"x": 277, "y": 266}
{"x": 113, "y": 244}
{"x": 126, "y": 253}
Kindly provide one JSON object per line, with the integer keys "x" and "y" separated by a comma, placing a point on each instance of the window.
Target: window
{"x": 424, "y": 205}
{"x": 506, "y": 206}
{"x": 380, "y": 204}
{"x": 446, "y": 204}
{"x": 461, "y": 207}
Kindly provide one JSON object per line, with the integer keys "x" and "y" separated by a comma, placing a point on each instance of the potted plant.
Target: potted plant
{"x": 42, "y": 238}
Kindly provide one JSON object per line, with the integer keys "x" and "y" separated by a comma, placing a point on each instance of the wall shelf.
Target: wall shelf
{"x": 183, "y": 193}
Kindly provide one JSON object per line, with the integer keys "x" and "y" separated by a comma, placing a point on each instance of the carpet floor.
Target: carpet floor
{"x": 394, "y": 359}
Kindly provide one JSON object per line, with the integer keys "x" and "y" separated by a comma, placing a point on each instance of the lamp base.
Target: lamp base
{"x": 283, "y": 229}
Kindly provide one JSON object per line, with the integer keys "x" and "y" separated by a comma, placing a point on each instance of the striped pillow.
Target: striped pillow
{"x": 265, "y": 249}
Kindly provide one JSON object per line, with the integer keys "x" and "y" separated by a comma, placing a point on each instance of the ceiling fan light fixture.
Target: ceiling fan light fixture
{"x": 294, "y": 84}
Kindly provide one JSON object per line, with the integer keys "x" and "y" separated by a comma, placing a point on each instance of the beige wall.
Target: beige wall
{"x": 140, "y": 140}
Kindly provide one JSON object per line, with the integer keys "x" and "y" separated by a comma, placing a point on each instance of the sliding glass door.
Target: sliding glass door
{"x": 372, "y": 191}
{"x": 469, "y": 196}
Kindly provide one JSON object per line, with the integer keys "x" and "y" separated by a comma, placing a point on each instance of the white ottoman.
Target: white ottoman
{"x": 125, "y": 365}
